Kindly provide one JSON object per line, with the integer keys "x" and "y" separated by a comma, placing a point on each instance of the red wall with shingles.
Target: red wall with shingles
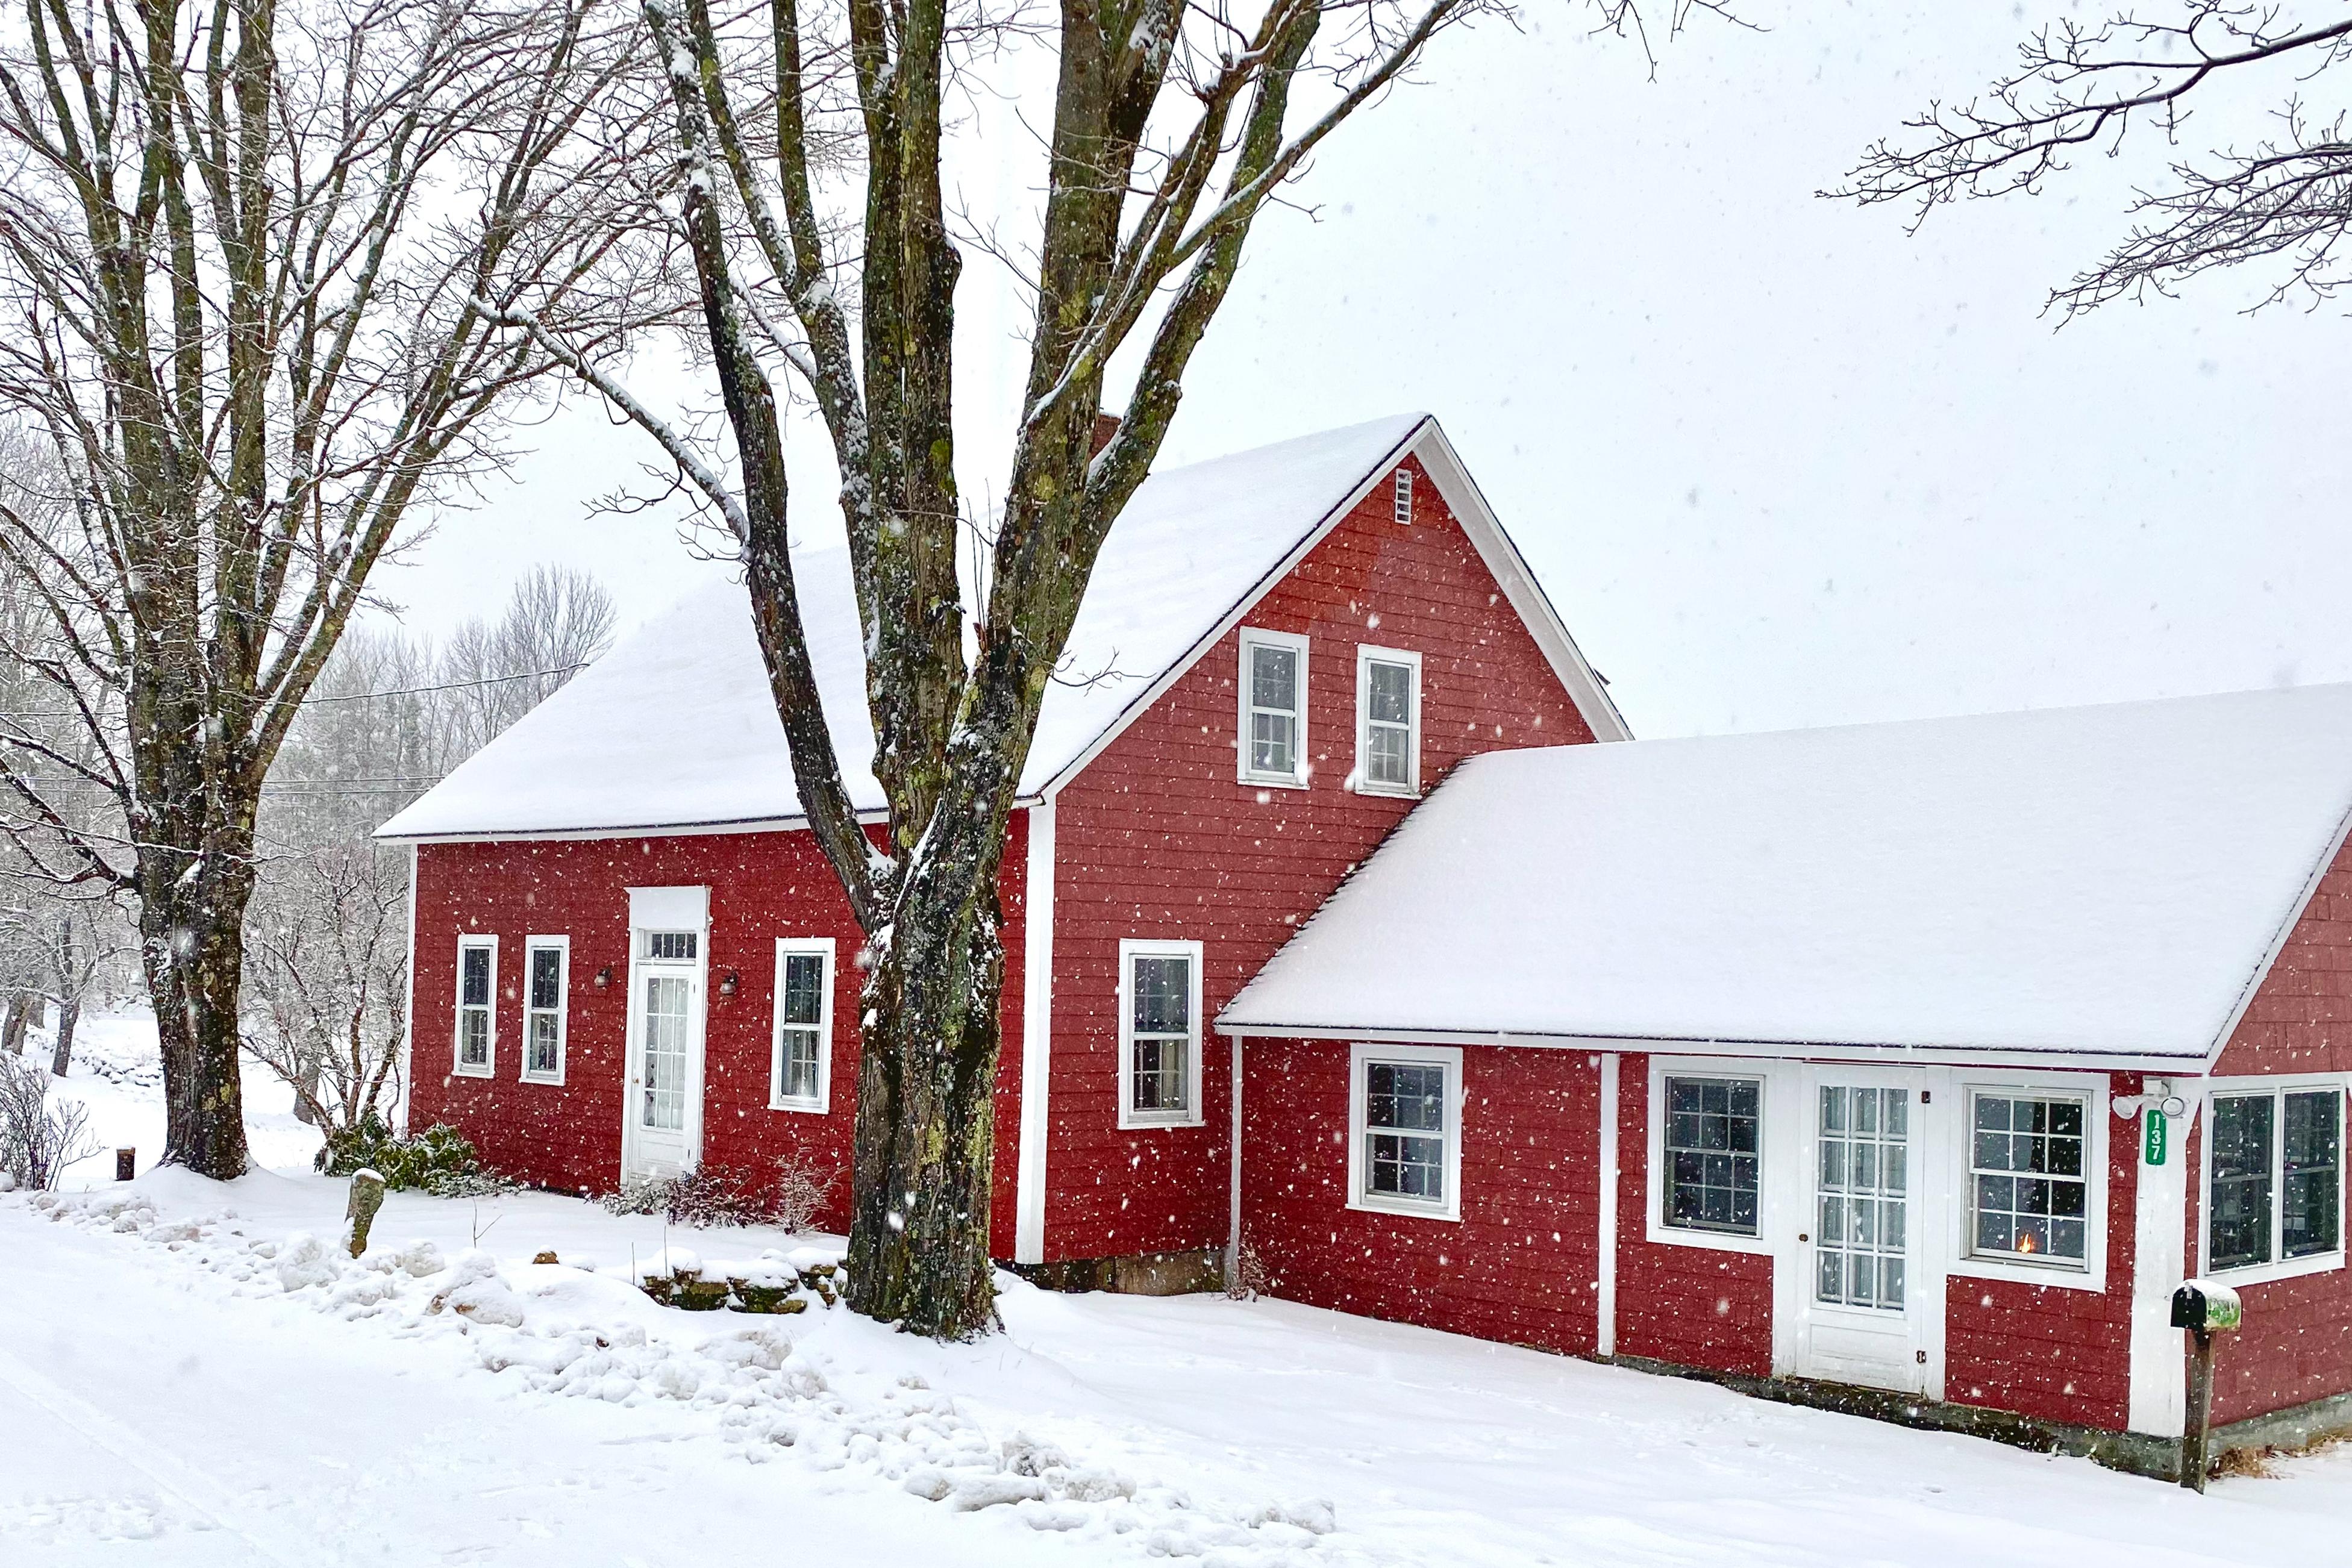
{"x": 1693, "y": 1306}
{"x": 2061, "y": 1354}
{"x": 1520, "y": 1265}
{"x": 763, "y": 886}
{"x": 1157, "y": 838}
{"x": 2297, "y": 1344}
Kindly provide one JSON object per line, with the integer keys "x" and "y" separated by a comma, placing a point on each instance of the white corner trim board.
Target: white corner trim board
{"x": 2158, "y": 1403}
{"x": 1605, "y": 1281}
{"x": 1036, "y": 1039}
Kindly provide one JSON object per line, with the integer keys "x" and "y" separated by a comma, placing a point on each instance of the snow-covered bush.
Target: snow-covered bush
{"x": 439, "y": 1160}
{"x": 38, "y": 1140}
{"x": 715, "y": 1196}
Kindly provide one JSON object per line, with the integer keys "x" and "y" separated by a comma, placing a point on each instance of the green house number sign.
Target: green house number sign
{"x": 2157, "y": 1135}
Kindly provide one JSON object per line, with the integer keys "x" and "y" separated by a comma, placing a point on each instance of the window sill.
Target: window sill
{"x": 1667, "y": 1235}
{"x": 805, "y": 1107}
{"x": 1391, "y": 791}
{"x": 2270, "y": 1273}
{"x": 1271, "y": 781}
{"x": 2008, "y": 1272}
{"x": 1405, "y": 1209}
{"x": 550, "y": 1079}
{"x": 486, "y": 1071}
{"x": 1150, "y": 1123}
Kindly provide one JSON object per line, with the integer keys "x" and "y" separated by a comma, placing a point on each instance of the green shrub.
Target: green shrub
{"x": 439, "y": 1160}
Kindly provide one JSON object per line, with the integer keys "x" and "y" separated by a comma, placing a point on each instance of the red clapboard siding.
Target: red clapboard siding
{"x": 2300, "y": 1020}
{"x": 1693, "y": 1306}
{"x": 2060, "y": 1355}
{"x": 1156, "y": 839}
{"x": 763, "y": 886}
{"x": 1521, "y": 1265}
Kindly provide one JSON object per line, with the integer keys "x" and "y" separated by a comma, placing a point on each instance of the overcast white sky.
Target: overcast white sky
{"x": 1777, "y": 463}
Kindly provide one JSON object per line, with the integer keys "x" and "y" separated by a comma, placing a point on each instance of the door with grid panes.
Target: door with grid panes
{"x": 665, "y": 1058}
{"x": 1859, "y": 1255}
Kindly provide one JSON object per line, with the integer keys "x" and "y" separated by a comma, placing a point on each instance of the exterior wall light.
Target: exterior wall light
{"x": 727, "y": 986}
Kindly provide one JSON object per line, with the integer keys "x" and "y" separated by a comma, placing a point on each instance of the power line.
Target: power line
{"x": 368, "y": 696}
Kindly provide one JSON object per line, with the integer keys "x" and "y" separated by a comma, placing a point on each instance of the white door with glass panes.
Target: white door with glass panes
{"x": 1858, "y": 1252}
{"x": 662, "y": 1126}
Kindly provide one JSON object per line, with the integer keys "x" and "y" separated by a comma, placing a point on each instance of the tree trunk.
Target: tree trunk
{"x": 193, "y": 948}
{"x": 926, "y": 1103}
{"x": 12, "y": 1027}
{"x": 68, "y": 1015}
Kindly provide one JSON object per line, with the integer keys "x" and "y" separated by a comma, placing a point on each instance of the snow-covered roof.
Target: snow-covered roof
{"x": 676, "y": 727}
{"x": 2108, "y": 882}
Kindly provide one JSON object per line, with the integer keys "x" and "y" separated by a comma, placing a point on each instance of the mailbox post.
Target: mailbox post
{"x": 2204, "y": 1309}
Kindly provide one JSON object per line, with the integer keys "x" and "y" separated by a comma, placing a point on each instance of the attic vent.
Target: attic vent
{"x": 1404, "y": 496}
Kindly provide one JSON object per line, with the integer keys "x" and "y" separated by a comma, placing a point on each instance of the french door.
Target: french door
{"x": 663, "y": 1099}
{"x": 1861, "y": 1284}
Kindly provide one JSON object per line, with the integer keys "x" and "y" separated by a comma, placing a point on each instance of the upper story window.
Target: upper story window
{"x": 478, "y": 989}
{"x": 2028, "y": 1185}
{"x": 1404, "y": 496}
{"x": 2274, "y": 1177}
{"x": 1160, "y": 1034}
{"x": 1273, "y": 708}
{"x": 801, "y": 1074}
{"x": 1405, "y": 1133}
{"x": 1388, "y": 721}
{"x": 1710, "y": 1147}
{"x": 547, "y": 962}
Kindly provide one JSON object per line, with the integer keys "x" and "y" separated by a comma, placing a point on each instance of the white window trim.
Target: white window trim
{"x": 1256, "y": 637}
{"x": 1130, "y": 949}
{"x": 1366, "y": 657}
{"x": 1767, "y": 1077}
{"x": 489, "y": 1067}
{"x": 820, "y": 1103}
{"x": 2098, "y": 1173}
{"x": 563, "y": 1009}
{"x": 1400, "y": 496}
{"x": 2277, "y": 1268}
{"x": 1359, "y": 1058}
{"x": 2003, "y": 1265}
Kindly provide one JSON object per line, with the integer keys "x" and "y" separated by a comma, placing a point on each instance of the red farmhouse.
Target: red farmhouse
{"x": 1923, "y": 1058}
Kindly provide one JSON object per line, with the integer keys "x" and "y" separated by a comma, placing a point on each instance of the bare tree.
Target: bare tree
{"x": 327, "y": 981}
{"x": 245, "y": 248}
{"x": 2083, "y": 87}
{"x": 1172, "y": 125}
{"x": 557, "y": 620}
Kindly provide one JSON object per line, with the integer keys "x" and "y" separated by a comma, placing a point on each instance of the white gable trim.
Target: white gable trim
{"x": 1486, "y": 536}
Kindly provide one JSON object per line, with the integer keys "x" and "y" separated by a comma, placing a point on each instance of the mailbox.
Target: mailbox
{"x": 2204, "y": 1307}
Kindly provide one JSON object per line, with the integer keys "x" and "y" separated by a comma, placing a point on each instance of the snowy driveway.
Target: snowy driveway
{"x": 157, "y": 1411}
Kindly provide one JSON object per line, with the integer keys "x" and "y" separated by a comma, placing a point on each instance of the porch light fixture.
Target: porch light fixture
{"x": 604, "y": 976}
{"x": 727, "y": 987}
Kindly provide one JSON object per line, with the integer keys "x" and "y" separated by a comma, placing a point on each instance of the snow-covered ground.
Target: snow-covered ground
{"x": 182, "y": 1380}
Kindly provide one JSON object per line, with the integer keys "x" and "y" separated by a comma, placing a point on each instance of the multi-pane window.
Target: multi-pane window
{"x": 2275, "y": 1179}
{"x": 1403, "y": 1123}
{"x": 477, "y": 966}
{"x": 1710, "y": 1154}
{"x": 1388, "y": 710}
{"x": 1162, "y": 1030}
{"x": 545, "y": 960}
{"x": 1864, "y": 1191}
{"x": 803, "y": 987}
{"x": 1404, "y": 496}
{"x": 2029, "y": 1192}
{"x": 667, "y": 947}
{"x": 1404, "y": 1130}
{"x": 1274, "y": 707}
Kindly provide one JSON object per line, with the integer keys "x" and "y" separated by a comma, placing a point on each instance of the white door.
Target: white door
{"x": 1862, "y": 1285}
{"x": 662, "y": 1103}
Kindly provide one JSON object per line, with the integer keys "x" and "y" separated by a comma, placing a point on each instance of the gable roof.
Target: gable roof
{"x": 2105, "y": 884}
{"x": 675, "y": 729}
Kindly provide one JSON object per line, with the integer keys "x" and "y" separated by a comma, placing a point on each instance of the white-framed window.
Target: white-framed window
{"x": 1404, "y": 496}
{"x": 1404, "y": 1130}
{"x": 1711, "y": 1144}
{"x": 546, "y": 985}
{"x": 2029, "y": 1176}
{"x": 1273, "y": 708}
{"x": 1159, "y": 1034}
{"x": 2274, "y": 1178}
{"x": 1388, "y": 721}
{"x": 800, "y": 1074}
{"x": 477, "y": 992}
